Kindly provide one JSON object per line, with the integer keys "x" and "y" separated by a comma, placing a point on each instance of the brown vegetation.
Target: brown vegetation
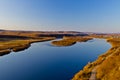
{"x": 64, "y": 42}
{"x": 37, "y": 34}
{"x": 20, "y": 40}
{"x": 8, "y": 45}
{"x": 4, "y": 52}
{"x": 68, "y": 41}
{"x": 108, "y": 64}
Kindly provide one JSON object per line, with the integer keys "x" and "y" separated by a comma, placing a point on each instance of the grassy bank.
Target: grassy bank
{"x": 68, "y": 41}
{"x": 4, "y": 52}
{"x": 8, "y": 45}
{"x": 107, "y": 65}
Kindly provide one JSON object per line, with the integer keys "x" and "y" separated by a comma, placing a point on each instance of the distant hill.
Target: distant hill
{"x": 57, "y": 34}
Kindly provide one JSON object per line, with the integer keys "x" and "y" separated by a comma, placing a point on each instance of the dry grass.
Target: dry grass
{"x": 68, "y": 41}
{"x": 4, "y": 52}
{"x": 109, "y": 69}
{"x": 18, "y": 44}
{"x": 65, "y": 42}
{"x": 108, "y": 64}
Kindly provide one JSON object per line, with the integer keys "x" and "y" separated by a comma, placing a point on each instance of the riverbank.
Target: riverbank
{"x": 107, "y": 66}
{"x": 68, "y": 41}
{"x": 16, "y": 45}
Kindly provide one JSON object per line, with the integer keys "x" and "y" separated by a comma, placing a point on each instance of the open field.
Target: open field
{"x": 107, "y": 65}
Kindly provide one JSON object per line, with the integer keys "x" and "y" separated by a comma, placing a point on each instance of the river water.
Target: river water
{"x": 45, "y": 62}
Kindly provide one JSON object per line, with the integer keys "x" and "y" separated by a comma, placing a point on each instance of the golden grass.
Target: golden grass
{"x": 108, "y": 64}
{"x": 4, "y": 52}
{"x": 65, "y": 42}
{"x": 68, "y": 41}
{"x": 18, "y": 45}
{"x": 78, "y": 38}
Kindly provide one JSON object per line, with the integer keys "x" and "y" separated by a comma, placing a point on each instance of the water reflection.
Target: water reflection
{"x": 43, "y": 62}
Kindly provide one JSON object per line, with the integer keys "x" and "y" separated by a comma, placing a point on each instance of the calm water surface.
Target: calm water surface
{"x": 44, "y": 62}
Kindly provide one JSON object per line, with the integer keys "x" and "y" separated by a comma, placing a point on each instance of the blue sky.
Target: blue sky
{"x": 75, "y": 15}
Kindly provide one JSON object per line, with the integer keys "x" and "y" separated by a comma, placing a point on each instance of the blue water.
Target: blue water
{"x": 45, "y": 62}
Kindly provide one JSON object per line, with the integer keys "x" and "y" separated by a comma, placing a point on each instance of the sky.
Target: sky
{"x": 67, "y": 15}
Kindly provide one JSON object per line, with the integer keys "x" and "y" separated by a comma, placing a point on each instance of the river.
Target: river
{"x": 45, "y": 62}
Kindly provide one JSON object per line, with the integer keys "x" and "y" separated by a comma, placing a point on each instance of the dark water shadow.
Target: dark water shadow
{"x": 50, "y": 45}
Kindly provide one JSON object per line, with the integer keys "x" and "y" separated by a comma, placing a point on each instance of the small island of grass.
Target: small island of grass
{"x": 68, "y": 41}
